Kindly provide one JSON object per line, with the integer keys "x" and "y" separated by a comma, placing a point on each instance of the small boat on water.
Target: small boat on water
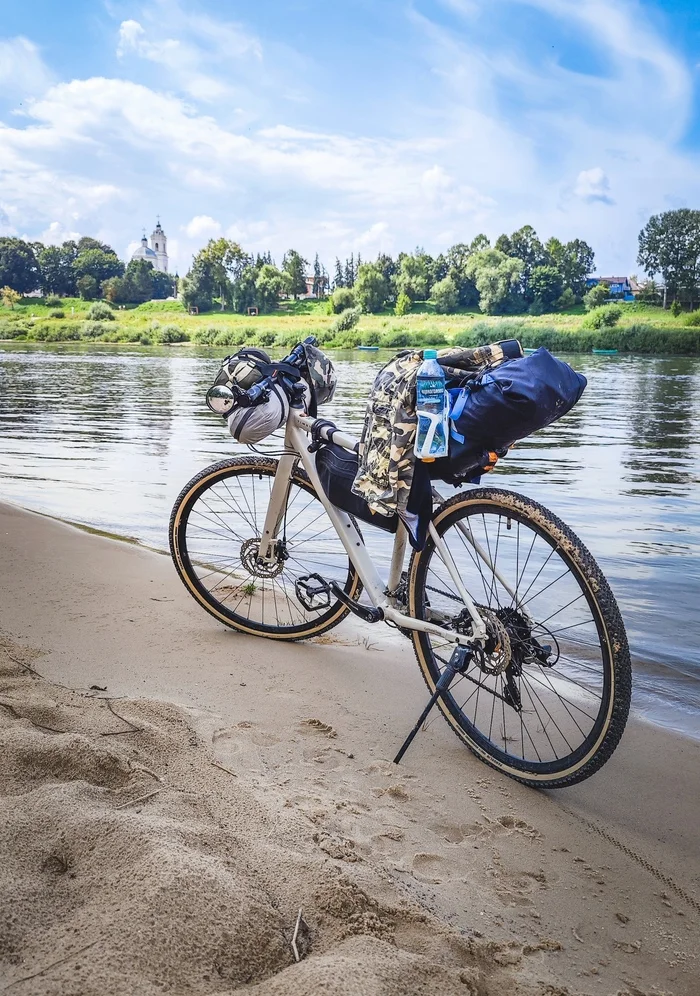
{"x": 527, "y": 349}
{"x": 605, "y": 352}
{"x": 368, "y": 349}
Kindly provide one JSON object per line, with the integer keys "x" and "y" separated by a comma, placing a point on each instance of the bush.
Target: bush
{"x": 566, "y": 301}
{"x": 13, "y": 330}
{"x": 346, "y": 340}
{"x": 429, "y": 337}
{"x": 371, "y": 338}
{"x": 207, "y": 336}
{"x": 403, "y": 305}
{"x": 57, "y": 313}
{"x": 171, "y": 333}
{"x": 676, "y": 308}
{"x": 346, "y": 320}
{"x": 60, "y": 333}
{"x": 397, "y": 338}
{"x": 144, "y": 340}
{"x": 341, "y": 300}
{"x": 52, "y": 301}
{"x": 693, "y": 319}
{"x": 94, "y": 330}
{"x": 596, "y": 296}
{"x": 100, "y": 311}
{"x": 604, "y": 317}
{"x": 264, "y": 338}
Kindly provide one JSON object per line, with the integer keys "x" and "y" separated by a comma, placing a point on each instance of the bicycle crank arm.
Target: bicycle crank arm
{"x": 366, "y": 612}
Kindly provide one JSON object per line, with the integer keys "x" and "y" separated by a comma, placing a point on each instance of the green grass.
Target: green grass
{"x": 642, "y": 329}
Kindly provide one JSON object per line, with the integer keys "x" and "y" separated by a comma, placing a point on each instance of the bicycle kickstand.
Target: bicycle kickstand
{"x": 457, "y": 664}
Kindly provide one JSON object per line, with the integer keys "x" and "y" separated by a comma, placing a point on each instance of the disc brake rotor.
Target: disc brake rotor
{"x": 249, "y": 558}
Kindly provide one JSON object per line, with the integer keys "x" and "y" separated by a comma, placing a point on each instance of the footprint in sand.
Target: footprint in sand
{"x": 318, "y": 726}
{"x": 431, "y": 868}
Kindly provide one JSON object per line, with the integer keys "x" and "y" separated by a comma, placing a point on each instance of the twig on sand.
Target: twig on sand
{"x": 19, "y": 663}
{"x": 46, "y": 968}
{"x": 297, "y": 956}
{"x": 40, "y": 726}
{"x": 222, "y": 768}
{"x": 115, "y": 733}
{"x": 141, "y": 798}
{"x": 580, "y": 939}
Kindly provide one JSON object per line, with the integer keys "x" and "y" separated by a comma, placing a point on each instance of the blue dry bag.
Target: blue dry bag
{"x": 508, "y": 403}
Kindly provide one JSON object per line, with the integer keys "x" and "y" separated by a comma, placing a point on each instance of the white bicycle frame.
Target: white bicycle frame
{"x": 381, "y": 595}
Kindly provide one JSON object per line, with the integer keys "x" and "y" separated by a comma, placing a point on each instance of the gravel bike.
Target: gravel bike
{"x": 515, "y": 628}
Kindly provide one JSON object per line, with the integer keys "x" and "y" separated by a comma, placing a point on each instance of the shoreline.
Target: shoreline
{"x": 663, "y": 700}
{"x": 589, "y": 890}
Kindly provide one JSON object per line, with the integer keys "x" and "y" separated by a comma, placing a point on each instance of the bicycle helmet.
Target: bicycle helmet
{"x": 321, "y": 376}
{"x": 243, "y": 368}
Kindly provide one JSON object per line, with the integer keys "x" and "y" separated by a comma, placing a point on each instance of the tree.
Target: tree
{"x": 18, "y": 266}
{"x": 495, "y": 275}
{"x": 97, "y": 263}
{"x": 650, "y": 293}
{"x": 87, "y": 287}
{"x": 457, "y": 258}
{"x": 163, "y": 285}
{"x": 294, "y": 265}
{"x": 479, "y": 243}
{"x": 138, "y": 281}
{"x": 349, "y": 274}
{"x": 444, "y": 294}
{"x": 597, "y": 295}
{"x": 223, "y": 261}
{"x": 669, "y": 244}
{"x": 339, "y": 278}
{"x": 526, "y": 246}
{"x": 403, "y": 305}
{"x": 413, "y": 278}
{"x": 371, "y": 288}
{"x": 244, "y": 293}
{"x": 574, "y": 261}
{"x": 342, "y": 298}
{"x": 197, "y": 288}
{"x": 10, "y": 297}
{"x": 546, "y": 285}
{"x": 318, "y": 288}
{"x": 269, "y": 287}
{"x": 57, "y": 272}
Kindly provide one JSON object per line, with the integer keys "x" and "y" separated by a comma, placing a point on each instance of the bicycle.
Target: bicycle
{"x": 515, "y": 628}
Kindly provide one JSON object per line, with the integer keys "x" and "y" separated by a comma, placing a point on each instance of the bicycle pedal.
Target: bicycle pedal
{"x": 313, "y": 592}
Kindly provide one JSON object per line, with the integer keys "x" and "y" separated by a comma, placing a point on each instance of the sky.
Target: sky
{"x": 363, "y": 126}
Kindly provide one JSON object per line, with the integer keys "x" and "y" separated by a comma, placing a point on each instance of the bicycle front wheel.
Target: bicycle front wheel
{"x": 547, "y": 700}
{"x": 215, "y": 533}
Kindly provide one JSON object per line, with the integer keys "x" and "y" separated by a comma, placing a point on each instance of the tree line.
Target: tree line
{"x": 87, "y": 268}
{"x": 517, "y": 274}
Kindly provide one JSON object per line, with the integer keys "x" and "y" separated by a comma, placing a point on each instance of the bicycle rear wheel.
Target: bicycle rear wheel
{"x": 215, "y": 533}
{"x": 548, "y": 699}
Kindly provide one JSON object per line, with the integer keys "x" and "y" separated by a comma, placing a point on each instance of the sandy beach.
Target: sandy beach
{"x": 172, "y": 794}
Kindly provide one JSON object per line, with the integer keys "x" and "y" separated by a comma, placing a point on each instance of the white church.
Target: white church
{"x": 157, "y": 252}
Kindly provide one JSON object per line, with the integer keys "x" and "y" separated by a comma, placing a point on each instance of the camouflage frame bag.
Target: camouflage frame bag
{"x": 387, "y": 461}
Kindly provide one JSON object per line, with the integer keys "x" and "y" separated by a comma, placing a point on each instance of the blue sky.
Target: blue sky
{"x": 367, "y": 125}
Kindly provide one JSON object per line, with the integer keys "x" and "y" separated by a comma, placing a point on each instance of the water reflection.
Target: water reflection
{"x": 108, "y": 436}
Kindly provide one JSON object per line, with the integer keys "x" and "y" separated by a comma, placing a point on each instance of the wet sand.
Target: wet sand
{"x": 133, "y": 863}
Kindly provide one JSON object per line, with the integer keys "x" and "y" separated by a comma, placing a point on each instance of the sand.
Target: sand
{"x": 161, "y": 832}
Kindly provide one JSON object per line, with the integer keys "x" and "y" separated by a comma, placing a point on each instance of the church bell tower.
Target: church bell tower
{"x": 159, "y": 245}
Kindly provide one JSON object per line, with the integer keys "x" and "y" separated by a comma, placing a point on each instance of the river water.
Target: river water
{"x": 107, "y": 436}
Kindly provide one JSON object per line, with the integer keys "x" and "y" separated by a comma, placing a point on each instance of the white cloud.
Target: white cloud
{"x": 22, "y": 70}
{"x": 199, "y": 129}
{"x": 202, "y": 227}
{"x": 56, "y": 233}
{"x": 593, "y": 185}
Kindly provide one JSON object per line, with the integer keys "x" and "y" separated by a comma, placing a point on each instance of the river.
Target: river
{"x": 107, "y": 436}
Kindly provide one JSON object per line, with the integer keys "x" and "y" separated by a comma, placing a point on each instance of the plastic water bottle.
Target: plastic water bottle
{"x": 432, "y": 409}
